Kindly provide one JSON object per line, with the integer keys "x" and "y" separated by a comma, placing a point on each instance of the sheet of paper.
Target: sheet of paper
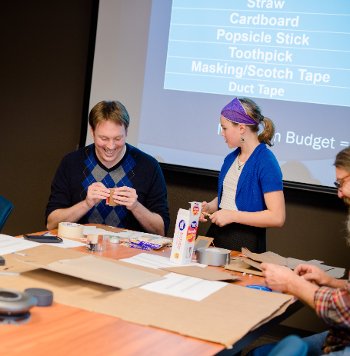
{"x": 137, "y": 235}
{"x": 10, "y": 244}
{"x": 186, "y": 287}
{"x": 336, "y": 272}
{"x": 154, "y": 261}
{"x": 66, "y": 243}
{"x": 130, "y": 234}
{"x": 93, "y": 230}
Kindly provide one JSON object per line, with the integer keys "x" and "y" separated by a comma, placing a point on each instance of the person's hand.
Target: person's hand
{"x": 277, "y": 277}
{"x": 313, "y": 274}
{"x": 222, "y": 217}
{"x": 205, "y": 212}
{"x": 95, "y": 193}
{"x": 125, "y": 196}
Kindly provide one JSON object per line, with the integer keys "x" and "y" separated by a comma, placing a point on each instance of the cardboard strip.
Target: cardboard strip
{"x": 80, "y": 265}
{"x": 98, "y": 270}
{"x": 255, "y": 259}
{"x": 238, "y": 264}
{"x": 206, "y": 273}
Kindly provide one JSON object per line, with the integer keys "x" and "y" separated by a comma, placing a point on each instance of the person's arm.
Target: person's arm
{"x": 72, "y": 214}
{"x": 273, "y": 216}
{"x": 333, "y": 305}
{"x": 150, "y": 221}
{"x": 332, "y": 299}
{"x": 96, "y": 192}
{"x": 283, "y": 279}
{"x": 211, "y": 207}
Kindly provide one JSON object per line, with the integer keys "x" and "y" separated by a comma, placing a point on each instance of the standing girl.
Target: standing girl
{"x": 250, "y": 188}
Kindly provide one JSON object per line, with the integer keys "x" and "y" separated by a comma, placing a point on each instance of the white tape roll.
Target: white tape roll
{"x": 70, "y": 230}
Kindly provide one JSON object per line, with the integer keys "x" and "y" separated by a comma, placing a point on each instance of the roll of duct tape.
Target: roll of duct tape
{"x": 70, "y": 230}
{"x": 13, "y": 302}
{"x": 44, "y": 297}
{"x": 213, "y": 256}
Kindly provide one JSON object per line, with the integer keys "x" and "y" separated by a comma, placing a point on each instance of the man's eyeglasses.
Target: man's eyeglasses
{"x": 339, "y": 183}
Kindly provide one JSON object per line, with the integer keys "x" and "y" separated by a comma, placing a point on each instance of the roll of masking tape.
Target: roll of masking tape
{"x": 213, "y": 256}
{"x": 70, "y": 230}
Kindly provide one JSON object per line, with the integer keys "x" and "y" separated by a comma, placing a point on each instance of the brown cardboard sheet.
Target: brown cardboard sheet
{"x": 238, "y": 264}
{"x": 202, "y": 242}
{"x": 250, "y": 262}
{"x": 67, "y": 290}
{"x": 280, "y": 311}
{"x": 80, "y": 265}
{"x": 255, "y": 259}
{"x": 267, "y": 257}
{"x": 206, "y": 273}
{"x": 22, "y": 261}
{"x": 102, "y": 271}
{"x": 224, "y": 317}
{"x": 13, "y": 265}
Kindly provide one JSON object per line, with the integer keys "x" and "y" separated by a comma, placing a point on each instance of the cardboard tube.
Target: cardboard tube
{"x": 110, "y": 201}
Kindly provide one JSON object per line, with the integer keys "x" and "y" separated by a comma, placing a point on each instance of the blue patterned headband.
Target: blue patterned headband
{"x": 234, "y": 111}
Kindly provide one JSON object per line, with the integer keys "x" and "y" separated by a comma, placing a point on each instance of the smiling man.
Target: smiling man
{"x": 81, "y": 189}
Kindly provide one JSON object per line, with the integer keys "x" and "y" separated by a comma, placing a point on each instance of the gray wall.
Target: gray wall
{"x": 43, "y": 69}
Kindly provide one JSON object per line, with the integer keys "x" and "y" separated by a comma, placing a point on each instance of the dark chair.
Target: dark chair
{"x": 5, "y": 210}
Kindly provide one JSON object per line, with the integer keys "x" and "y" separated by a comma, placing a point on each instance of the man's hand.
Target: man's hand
{"x": 96, "y": 192}
{"x": 126, "y": 196}
{"x": 313, "y": 274}
{"x": 277, "y": 277}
